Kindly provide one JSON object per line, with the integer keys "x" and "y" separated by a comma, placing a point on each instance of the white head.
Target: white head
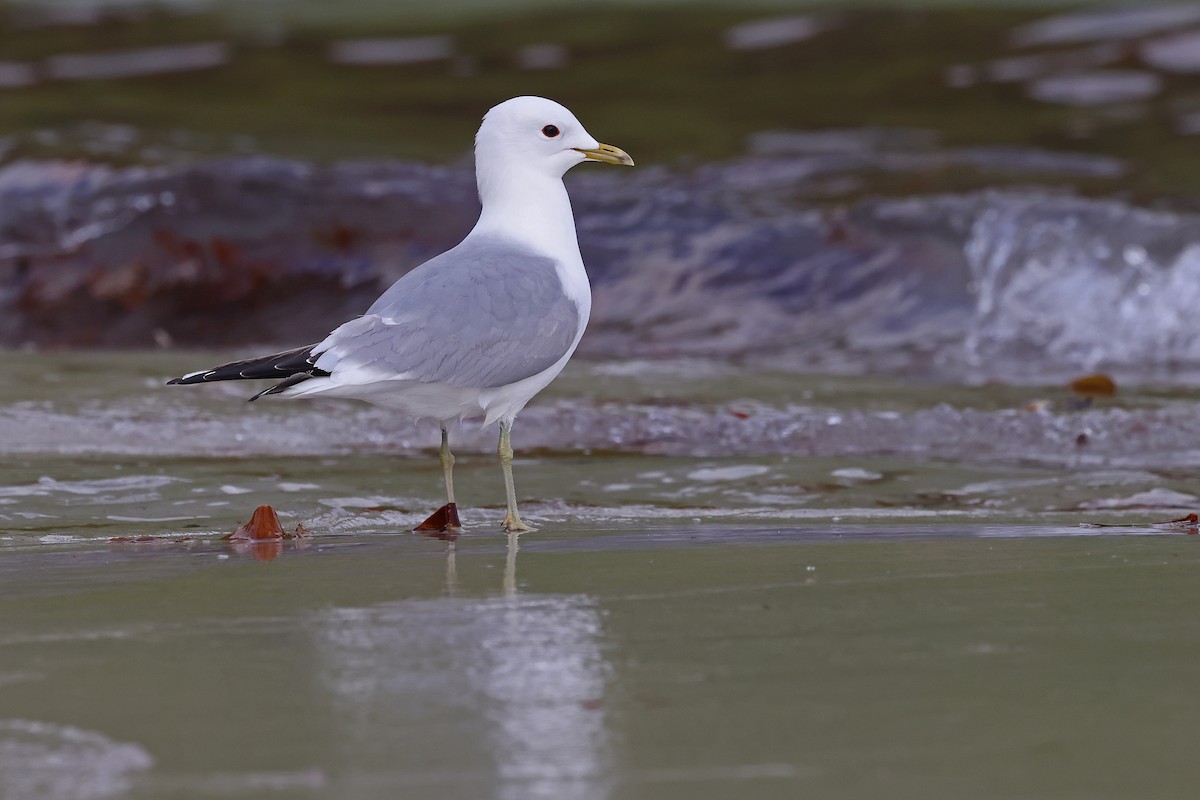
{"x": 522, "y": 150}
{"x": 527, "y": 135}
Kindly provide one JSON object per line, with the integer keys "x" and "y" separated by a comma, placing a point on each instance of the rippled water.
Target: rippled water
{"x": 96, "y": 446}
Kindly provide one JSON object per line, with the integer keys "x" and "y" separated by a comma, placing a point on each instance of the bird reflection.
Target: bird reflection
{"x": 500, "y": 691}
{"x": 449, "y": 535}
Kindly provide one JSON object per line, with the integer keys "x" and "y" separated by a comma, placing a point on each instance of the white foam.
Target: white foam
{"x": 42, "y": 760}
{"x": 856, "y": 474}
{"x": 728, "y": 473}
{"x": 47, "y": 485}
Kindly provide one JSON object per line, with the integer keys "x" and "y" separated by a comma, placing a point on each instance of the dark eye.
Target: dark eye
{"x": 549, "y": 131}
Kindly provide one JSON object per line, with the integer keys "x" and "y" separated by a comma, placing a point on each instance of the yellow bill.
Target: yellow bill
{"x": 607, "y": 154}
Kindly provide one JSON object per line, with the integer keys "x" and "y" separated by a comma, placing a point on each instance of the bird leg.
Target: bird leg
{"x": 447, "y": 459}
{"x": 445, "y": 519}
{"x": 512, "y": 520}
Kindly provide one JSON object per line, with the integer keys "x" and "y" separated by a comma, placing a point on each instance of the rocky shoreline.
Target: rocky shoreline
{"x": 740, "y": 259}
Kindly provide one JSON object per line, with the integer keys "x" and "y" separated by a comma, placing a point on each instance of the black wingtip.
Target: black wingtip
{"x": 291, "y": 380}
{"x": 174, "y": 381}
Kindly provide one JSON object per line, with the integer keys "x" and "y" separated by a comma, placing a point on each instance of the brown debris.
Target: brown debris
{"x": 264, "y": 526}
{"x": 1189, "y": 523}
{"x": 150, "y": 539}
{"x": 1098, "y": 385}
{"x": 442, "y": 524}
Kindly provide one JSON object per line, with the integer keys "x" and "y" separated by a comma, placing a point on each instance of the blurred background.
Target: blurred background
{"x": 974, "y": 190}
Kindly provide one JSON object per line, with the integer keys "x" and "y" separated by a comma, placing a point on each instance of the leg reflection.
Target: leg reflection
{"x": 451, "y": 571}
{"x": 510, "y": 566}
{"x": 467, "y": 692}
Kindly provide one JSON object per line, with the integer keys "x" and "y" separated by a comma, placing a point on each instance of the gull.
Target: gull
{"x": 480, "y": 329}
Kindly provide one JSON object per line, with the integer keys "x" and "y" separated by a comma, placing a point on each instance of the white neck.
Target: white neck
{"x": 531, "y": 207}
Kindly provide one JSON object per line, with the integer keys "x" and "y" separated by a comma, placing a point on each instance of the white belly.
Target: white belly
{"x": 438, "y": 401}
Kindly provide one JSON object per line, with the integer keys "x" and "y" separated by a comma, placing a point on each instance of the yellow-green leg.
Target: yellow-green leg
{"x": 445, "y": 519}
{"x": 447, "y": 465}
{"x": 512, "y": 520}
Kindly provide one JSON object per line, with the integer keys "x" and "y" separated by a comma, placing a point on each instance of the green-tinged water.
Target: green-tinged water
{"x": 856, "y": 623}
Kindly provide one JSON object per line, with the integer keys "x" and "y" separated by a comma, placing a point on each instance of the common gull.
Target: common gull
{"x": 480, "y": 329}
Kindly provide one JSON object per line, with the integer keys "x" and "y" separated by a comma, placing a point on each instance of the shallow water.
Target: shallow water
{"x": 95, "y": 447}
{"x": 863, "y": 587}
{"x": 703, "y": 661}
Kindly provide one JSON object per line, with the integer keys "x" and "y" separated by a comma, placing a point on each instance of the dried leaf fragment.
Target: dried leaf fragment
{"x": 442, "y": 524}
{"x": 264, "y": 526}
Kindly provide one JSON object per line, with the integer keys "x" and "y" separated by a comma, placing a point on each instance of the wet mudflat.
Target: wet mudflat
{"x": 760, "y": 587}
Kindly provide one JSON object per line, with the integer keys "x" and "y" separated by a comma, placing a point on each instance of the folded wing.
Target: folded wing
{"x": 485, "y": 314}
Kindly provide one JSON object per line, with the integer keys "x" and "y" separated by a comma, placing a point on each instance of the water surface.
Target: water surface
{"x": 764, "y": 585}
{"x": 848, "y": 661}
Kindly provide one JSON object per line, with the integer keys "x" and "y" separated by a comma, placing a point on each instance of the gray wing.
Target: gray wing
{"x": 484, "y": 314}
